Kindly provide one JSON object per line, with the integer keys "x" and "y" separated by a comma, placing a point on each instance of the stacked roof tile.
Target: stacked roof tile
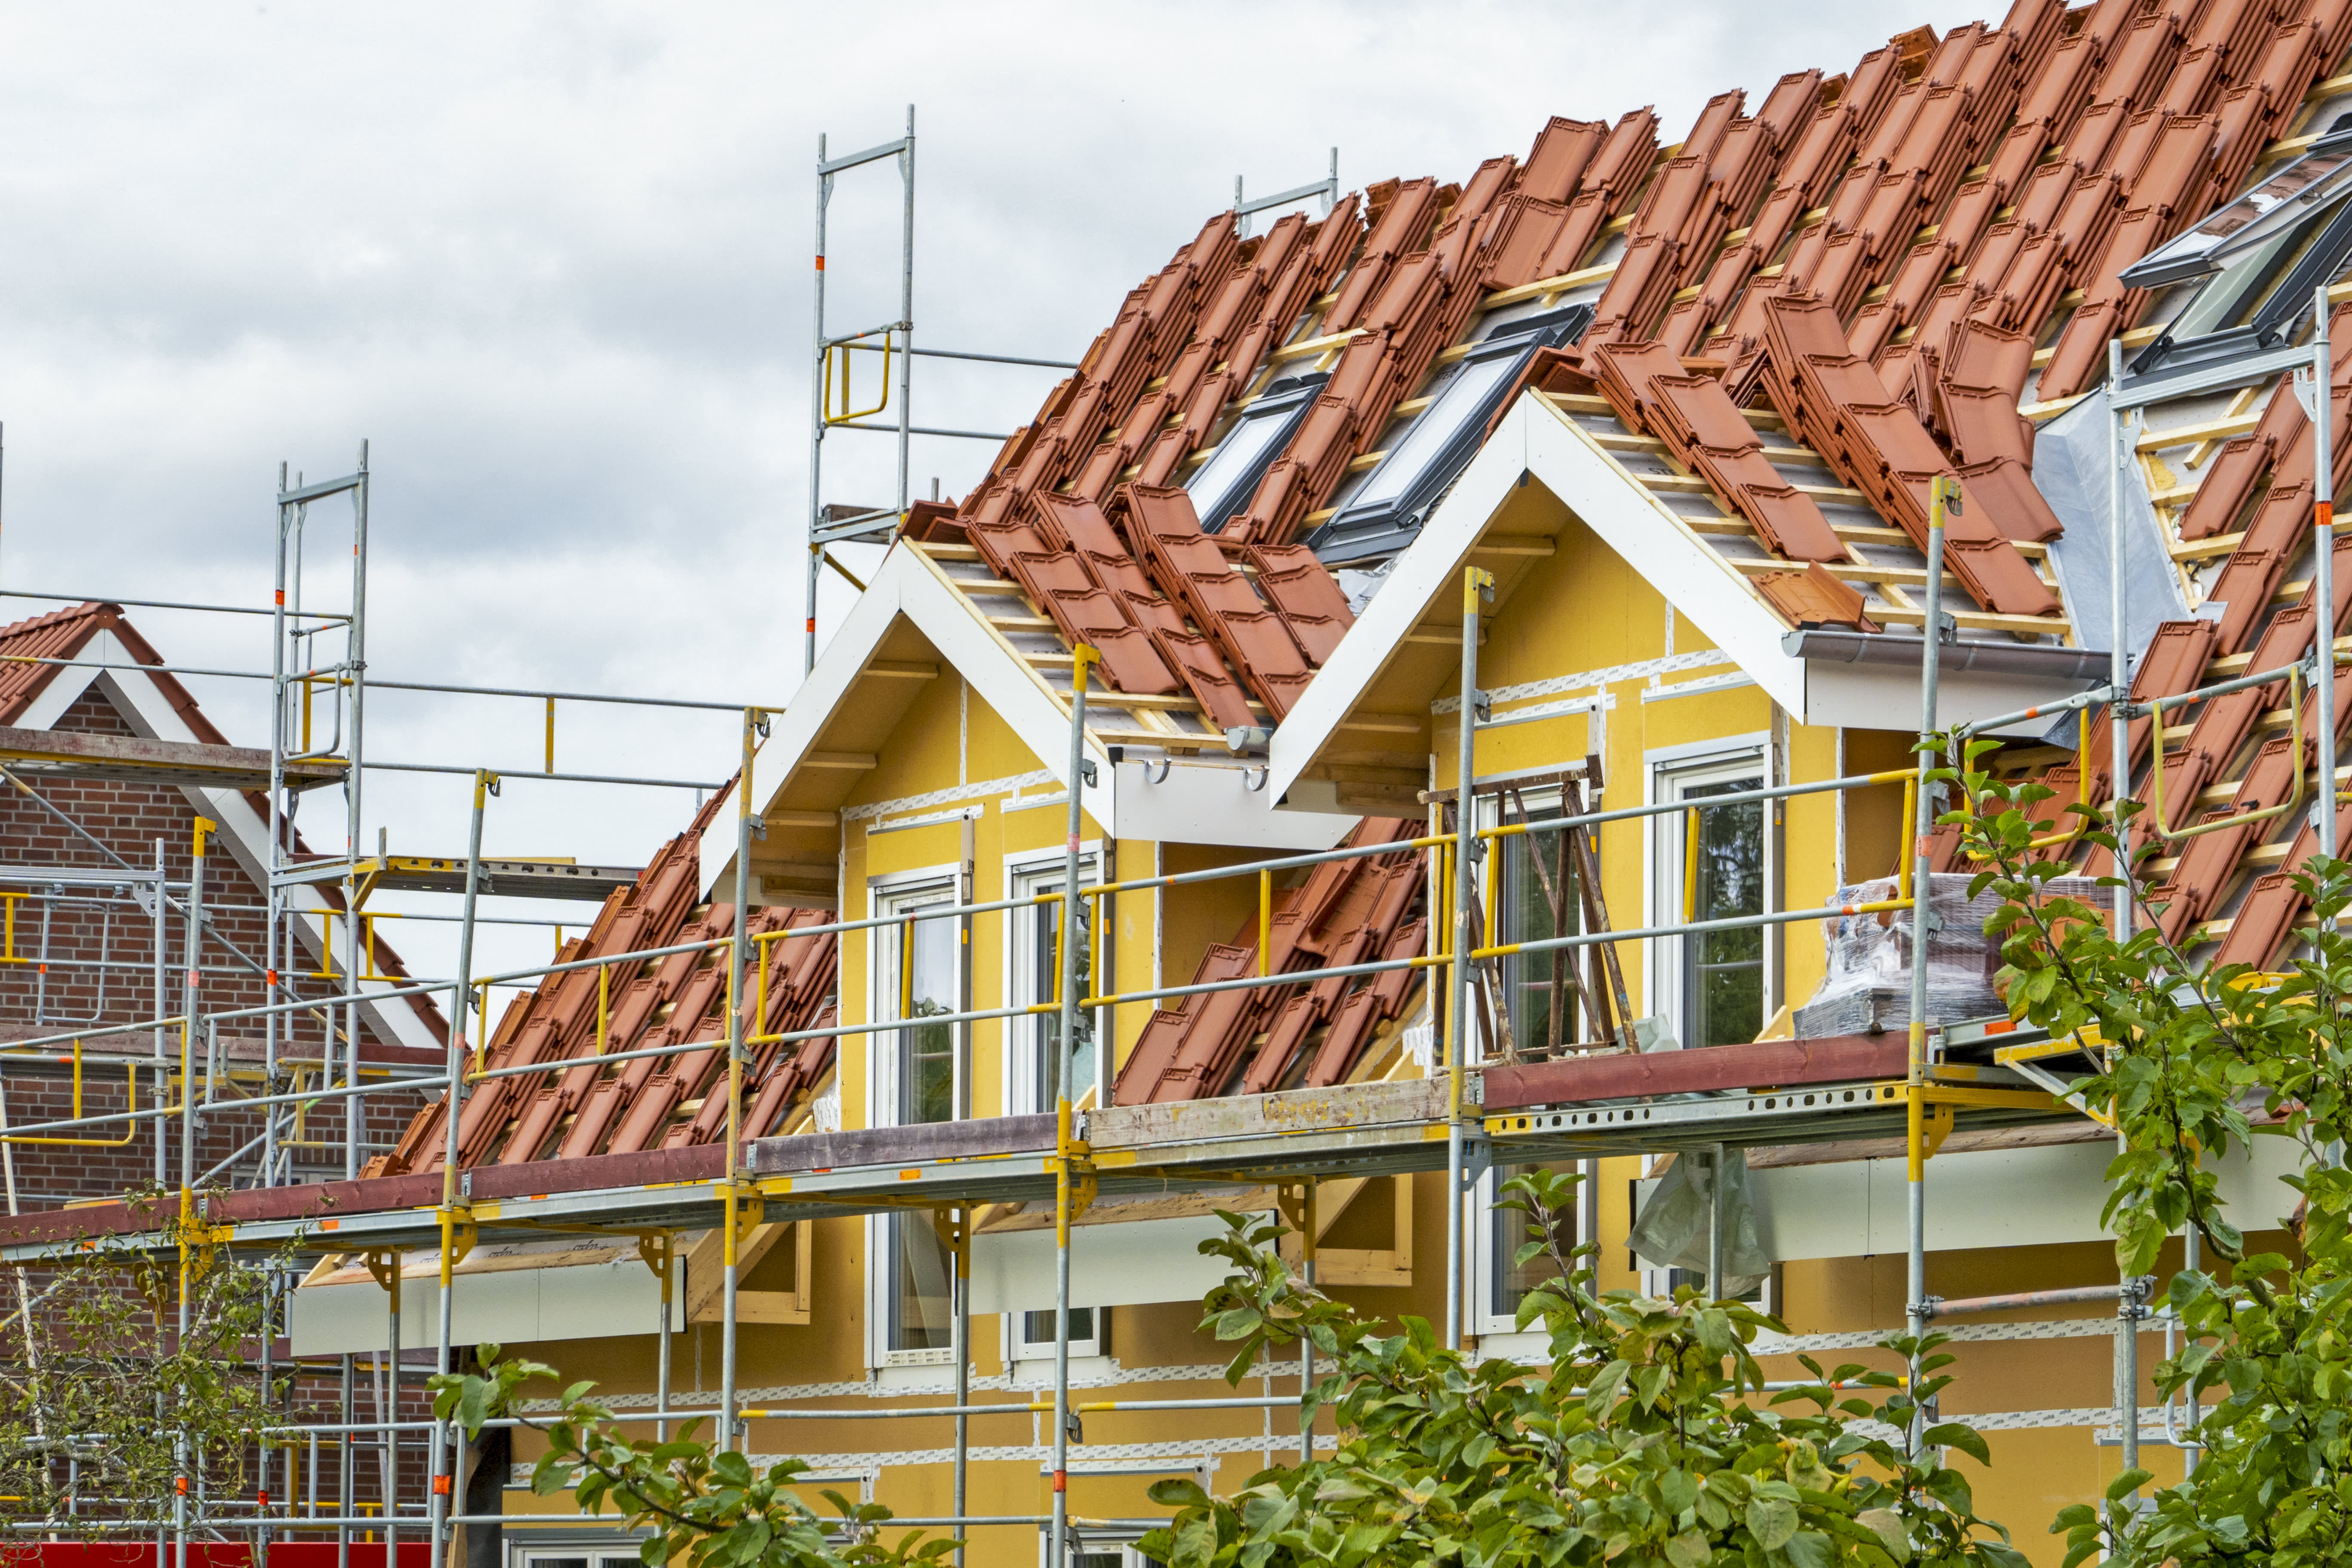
{"x": 1358, "y": 910}
{"x": 1813, "y": 308}
{"x": 1877, "y": 254}
{"x": 653, "y": 1102}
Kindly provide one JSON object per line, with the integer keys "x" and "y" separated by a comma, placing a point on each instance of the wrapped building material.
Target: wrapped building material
{"x": 1868, "y": 987}
{"x": 1673, "y": 1229}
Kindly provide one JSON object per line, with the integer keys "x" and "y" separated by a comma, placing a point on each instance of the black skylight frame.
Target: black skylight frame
{"x": 1262, "y": 430}
{"x": 1387, "y": 511}
{"x": 2302, "y": 214}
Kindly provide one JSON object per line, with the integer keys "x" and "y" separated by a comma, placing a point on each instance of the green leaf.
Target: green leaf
{"x": 1689, "y": 1549}
{"x": 1772, "y": 1521}
{"x": 1808, "y": 1550}
{"x": 2129, "y": 1481}
{"x": 1889, "y": 1527}
{"x": 1960, "y": 1434}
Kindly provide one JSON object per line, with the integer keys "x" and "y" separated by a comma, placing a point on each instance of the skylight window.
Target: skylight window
{"x": 1222, "y": 486}
{"x": 1387, "y": 510}
{"x": 2260, "y": 257}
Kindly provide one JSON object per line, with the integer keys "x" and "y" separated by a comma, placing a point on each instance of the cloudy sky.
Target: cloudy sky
{"x": 553, "y": 261}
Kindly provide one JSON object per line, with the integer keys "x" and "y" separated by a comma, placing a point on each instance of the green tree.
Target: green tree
{"x": 2195, "y": 1061}
{"x": 706, "y": 1508}
{"x": 111, "y": 1416}
{"x": 1647, "y": 1443}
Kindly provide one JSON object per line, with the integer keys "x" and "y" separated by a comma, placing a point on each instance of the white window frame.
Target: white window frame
{"x": 1019, "y": 1350}
{"x": 890, "y": 895}
{"x": 1030, "y": 872}
{"x": 538, "y": 1547}
{"x": 1124, "y": 1545}
{"x": 893, "y": 894}
{"x": 1671, "y": 771}
{"x": 1488, "y": 1320}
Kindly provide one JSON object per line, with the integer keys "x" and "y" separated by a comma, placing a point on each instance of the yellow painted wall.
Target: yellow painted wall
{"x": 1582, "y": 609}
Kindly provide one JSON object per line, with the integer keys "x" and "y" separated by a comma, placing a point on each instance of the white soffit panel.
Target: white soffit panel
{"x": 1130, "y": 1265}
{"x": 507, "y": 1306}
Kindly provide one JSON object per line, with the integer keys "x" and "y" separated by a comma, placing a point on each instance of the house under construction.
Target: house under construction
{"x": 1436, "y": 692}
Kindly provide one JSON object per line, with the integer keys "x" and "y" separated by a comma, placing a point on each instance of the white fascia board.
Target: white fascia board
{"x": 1887, "y": 696}
{"x": 792, "y": 733}
{"x": 1427, "y": 569}
{"x": 1194, "y": 804}
{"x": 1535, "y": 439}
{"x": 69, "y": 682}
{"x": 245, "y": 831}
{"x": 908, "y": 584}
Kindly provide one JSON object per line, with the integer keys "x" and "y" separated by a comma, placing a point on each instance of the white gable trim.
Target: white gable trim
{"x": 68, "y": 682}
{"x": 908, "y": 584}
{"x": 1536, "y": 441}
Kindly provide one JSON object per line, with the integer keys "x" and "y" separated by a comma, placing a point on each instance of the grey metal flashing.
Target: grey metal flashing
{"x": 1831, "y": 646}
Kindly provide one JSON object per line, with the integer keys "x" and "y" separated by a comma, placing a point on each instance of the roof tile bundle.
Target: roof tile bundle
{"x": 1880, "y": 252}
{"x": 1345, "y": 912}
{"x": 1836, "y": 402}
{"x": 1647, "y": 387}
{"x": 652, "y": 1102}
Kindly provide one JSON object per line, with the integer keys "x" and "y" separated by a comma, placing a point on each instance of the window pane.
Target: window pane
{"x": 1538, "y": 986}
{"x": 1038, "y": 1328}
{"x": 1724, "y": 878}
{"x": 1430, "y": 433}
{"x": 1511, "y": 1281}
{"x": 921, "y": 1311}
{"x": 927, "y": 1053}
{"x": 1045, "y": 959}
{"x": 1225, "y": 484}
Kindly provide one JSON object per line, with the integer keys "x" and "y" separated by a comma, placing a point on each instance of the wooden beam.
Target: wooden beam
{"x": 852, "y": 761}
{"x": 781, "y": 818}
{"x": 903, "y": 668}
{"x": 1529, "y": 544}
{"x": 1557, "y": 283}
{"x": 1385, "y": 724}
{"x": 2204, "y": 430}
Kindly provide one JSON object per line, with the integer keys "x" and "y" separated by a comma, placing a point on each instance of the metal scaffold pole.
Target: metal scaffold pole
{"x": 1065, "y": 1146}
{"x": 2323, "y": 573}
{"x": 274, "y": 861}
{"x": 183, "y": 1481}
{"x": 738, "y": 949}
{"x": 1478, "y": 585}
{"x": 2119, "y": 760}
{"x": 822, "y": 415}
{"x": 816, "y": 411}
{"x": 163, "y": 1011}
{"x": 355, "y": 662}
{"x": 455, "y": 1220}
{"x": 907, "y": 313}
{"x": 1943, "y": 498}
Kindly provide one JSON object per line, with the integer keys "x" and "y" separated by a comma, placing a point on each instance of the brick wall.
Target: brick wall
{"x": 57, "y": 982}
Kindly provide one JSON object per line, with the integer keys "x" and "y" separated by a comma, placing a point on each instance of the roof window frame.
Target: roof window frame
{"x": 1456, "y": 422}
{"x": 2266, "y": 260}
{"x": 1282, "y": 406}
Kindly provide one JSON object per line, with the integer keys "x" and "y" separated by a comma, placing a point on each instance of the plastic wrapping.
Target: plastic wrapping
{"x": 1867, "y": 988}
{"x": 1671, "y": 1231}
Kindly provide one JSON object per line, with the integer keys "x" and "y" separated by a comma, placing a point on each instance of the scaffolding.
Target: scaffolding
{"x": 1440, "y": 1123}
{"x": 1947, "y": 1078}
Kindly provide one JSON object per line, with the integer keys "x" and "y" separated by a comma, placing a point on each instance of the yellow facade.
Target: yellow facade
{"x": 1579, "y": 609}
